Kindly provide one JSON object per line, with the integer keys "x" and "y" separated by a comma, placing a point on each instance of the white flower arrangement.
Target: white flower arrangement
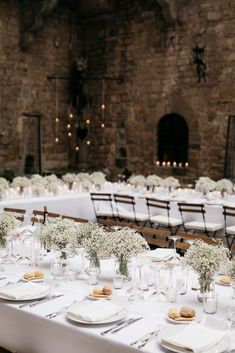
{"x": 98, "y": 178}
{"x": 153, "y": 180}
{"x": 7, "y": 223}
{"x": 69, "y": 178}
{"x": 52, "y": 178}
{"x": 170, "y": 182}
{"x": 205, "y": 184}
{"x": 224, "y": 185}
{"x": 3, "y": 184}
{"x": 20, "y": 182}
{"x": 37, "y": 180}
{"x": 97, "y": 242}
{"x": 58, "y": 233}
{"x": 137, "y": 180}
{"x": 126, "y": 242}
{"x": 206, "y": 260}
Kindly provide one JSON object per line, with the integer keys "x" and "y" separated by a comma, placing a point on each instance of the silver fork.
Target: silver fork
{"x": 147, "y": 338}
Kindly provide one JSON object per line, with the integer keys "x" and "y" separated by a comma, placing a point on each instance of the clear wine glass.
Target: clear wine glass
{"x": 174, "y": 238}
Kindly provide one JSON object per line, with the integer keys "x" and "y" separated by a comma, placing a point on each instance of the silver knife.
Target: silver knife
{"x": 129, "y": 322}
{"x": 46, "y": 300}
{"x": 115, "y": 326}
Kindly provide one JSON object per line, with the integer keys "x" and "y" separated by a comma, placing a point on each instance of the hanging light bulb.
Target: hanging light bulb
{"x": 77, "y": 148}
{"x": 56, "y": 140}
{"x": 88, "y": 142}
{"x": 102, "y": 125}
{"x": 88, "y": 121}
{"x": 68, "y": 126}
{"x": 69, "y": 134}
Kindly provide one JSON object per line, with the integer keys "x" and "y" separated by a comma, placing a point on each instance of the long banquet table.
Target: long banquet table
{"x": 27, "y": 330}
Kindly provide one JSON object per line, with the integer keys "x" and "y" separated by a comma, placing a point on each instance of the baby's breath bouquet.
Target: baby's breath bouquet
{"x": 206, "y": 260}
{"x": 205, "y": 184}
{"x": 7, "y": 223}
{"x": 126, "y": 242}
{"x": 137, "y": 180}
{"x": 59, "y": 233}
{"x": 224, "y": 185}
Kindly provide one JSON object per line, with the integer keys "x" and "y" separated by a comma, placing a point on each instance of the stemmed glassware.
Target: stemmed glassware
{"x": 174, "y": 238}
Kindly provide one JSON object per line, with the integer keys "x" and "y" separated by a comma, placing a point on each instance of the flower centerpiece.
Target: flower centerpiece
{"x": 153, "y": 180}
{"x": 4, "y": 185}
{"x": 59, "y": 234}
{"x": 38, "y": 184}
{"x": 126, "y": 242}
{"x": 137, "y": 180}
{"x": 20, "y": 183}
{"x": 224, "y": 185}
{"x": 96, "y": 241}
{"x": 98, "y": 179}
{"x": 69, "y": 179}
{"x": 170, "y": 183}
{"x": 205, "y": 184}
{"x": 206, "y": 260}
{"x": 7, "y": 223}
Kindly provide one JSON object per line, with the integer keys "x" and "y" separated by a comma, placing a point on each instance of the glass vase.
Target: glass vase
{"x": 206, "y": 284}
{"x": 122, "y": 267}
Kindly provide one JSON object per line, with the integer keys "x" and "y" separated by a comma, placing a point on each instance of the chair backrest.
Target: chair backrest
{"x": 187, "y": 238}
{"x": 41, "y": 216}
{"x": 18, "y": 213}
{"x": 125, "y": 203}
{"x": 229, "y": 215}
{"x": 153, "y": 236}
{"x": 156, "y": 206}
{"x": 102, "y": 201}
{"x": 187, "y": 210}
{"x": 76, "y": 219}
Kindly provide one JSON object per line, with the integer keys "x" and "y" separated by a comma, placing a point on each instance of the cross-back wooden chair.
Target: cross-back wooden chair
{"x": 76, "y": 219}
{"x": 125, "y": 207}
{"x": 229, "y": 224}
{"x": 188, "y": 213}
{"x": 153, "y": 236}
{"x": 41, "y": 216}
{"x": 103, "y": 205}
{"x": 159, "y": 215}
{"x": 18, "y": 213}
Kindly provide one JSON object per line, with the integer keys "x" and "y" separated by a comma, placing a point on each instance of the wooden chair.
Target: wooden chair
{"x": 103, "y": 205}
{"x": 229, "y": 225}
{"x": 188, "y": 212}
{"x": 18, "y": 213}
{"x": 41, "y": 216}
{"x": 125, "y": 207}
{"x": 153, "y": 236}
{"x": 159, "y": 215}
{"x": 186, "y": 239}
{"x": 76, "y": 219}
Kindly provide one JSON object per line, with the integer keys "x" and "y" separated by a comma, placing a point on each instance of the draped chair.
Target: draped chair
{"x": 188, "y": 212}
{"x": 125, "y": 207}
{"x": 159, "y": 215}
{"x": 103, "y": 205}
{"x": 18, "y": 213}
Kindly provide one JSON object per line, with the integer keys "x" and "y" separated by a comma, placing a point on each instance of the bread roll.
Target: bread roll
{"x": 187, "y": 312}
{"x": 107, "y": 290}
{"x": 225, "y": 279}
{"x": 98, "y": 290}
{"x": 29, "y": 276}
{"x": 174, "y": 313}
{"x": 181, "y": 318}
{"x": 38, "y": 275}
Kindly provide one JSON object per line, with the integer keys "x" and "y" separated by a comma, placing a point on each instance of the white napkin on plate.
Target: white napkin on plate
{"x": 193, "y": 338}
{"x": 23, "y": 291}
{"x": 94, "y": 312}
{"x": 161, "y": 254}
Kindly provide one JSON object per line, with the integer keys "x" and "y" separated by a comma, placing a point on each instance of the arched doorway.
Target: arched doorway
{"x": 172, "y": 139}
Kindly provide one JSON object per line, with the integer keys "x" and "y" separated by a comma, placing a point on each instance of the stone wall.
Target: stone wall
{"x": 24, "y": 87}
{"x": 155, "y": 62}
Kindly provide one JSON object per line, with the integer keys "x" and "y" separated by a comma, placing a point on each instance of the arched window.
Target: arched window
{"x": 172, "y": 139}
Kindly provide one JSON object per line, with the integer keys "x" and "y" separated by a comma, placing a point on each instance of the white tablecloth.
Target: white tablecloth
{"x": 28, "y": 331}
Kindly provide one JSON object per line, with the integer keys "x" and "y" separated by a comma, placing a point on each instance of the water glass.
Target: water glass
{"x": 210, "y": 302}
{"x": 93, "y": 274}
{"x": 117, "y": 282}
{"x": 56, "y": 267}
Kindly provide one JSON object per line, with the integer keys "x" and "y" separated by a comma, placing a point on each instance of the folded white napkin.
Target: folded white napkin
{"x": 193, "y": 338}
{"x": 25, "y": 230}
{"x": 161, "y": 254}
{"x": 23, "y": 291}
{"x": 94, "y": 312}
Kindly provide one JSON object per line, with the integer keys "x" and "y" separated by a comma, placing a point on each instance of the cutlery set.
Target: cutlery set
{"x": 60, "y": 311}
{"x": 40, "y": 301}
{"x": 141, "y": 342}
{"x": 119, "y": 326}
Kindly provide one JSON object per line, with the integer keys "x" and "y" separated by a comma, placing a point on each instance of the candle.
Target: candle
{"x": 163, "y": 164}
{"x": 174, "y": 164}
{"x": 168, "y": 164}
{"x": 210, "y": 302}
{"x": 180, "y": 165}
{"x": 157, "y": 163}
{"x": 186, "y": 165}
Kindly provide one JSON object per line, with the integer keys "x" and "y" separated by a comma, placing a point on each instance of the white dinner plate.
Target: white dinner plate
{"x": 184, "y": 322}
{"x": 222, "y": 346}
{"x": 120, "y": 316}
